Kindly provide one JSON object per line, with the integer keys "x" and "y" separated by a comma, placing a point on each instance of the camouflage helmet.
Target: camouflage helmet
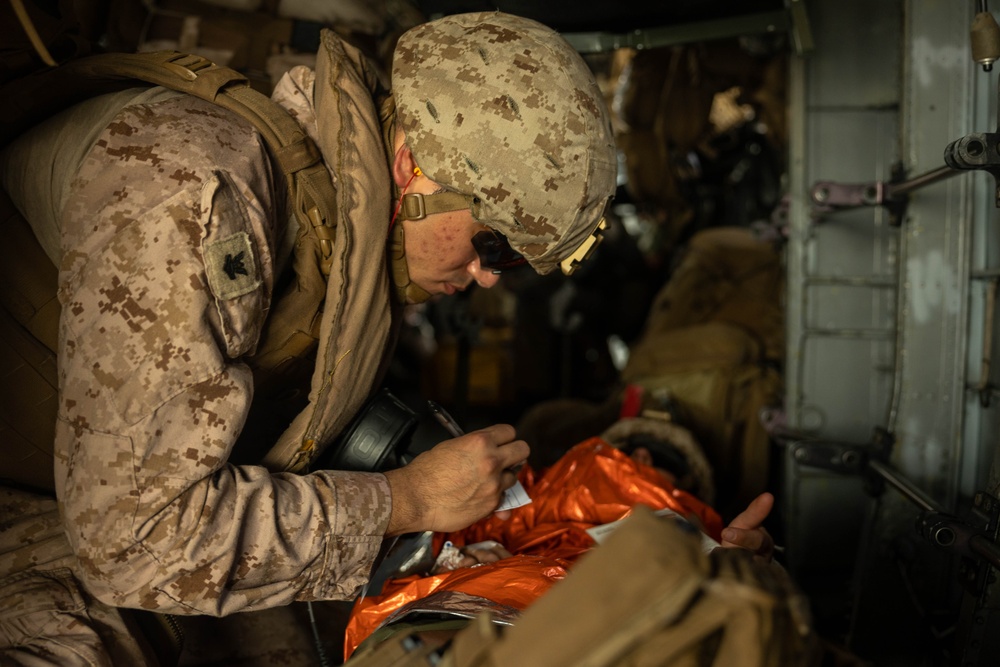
{"x": 502, "y": 109}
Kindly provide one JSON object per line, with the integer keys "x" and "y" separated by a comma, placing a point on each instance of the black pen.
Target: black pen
{"x": 453, "y": 428}
{"x": 445, "y": 419}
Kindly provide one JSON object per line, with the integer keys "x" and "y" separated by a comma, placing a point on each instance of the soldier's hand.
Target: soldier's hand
{"x": 747, "y": 532}
{"x": 456, "y": 483}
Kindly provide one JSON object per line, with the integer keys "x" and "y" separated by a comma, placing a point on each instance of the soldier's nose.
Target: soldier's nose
{"x": 483, "y": 277}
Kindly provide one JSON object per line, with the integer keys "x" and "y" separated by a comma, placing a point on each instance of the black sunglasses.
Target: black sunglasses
{"x": 495, "y": 253}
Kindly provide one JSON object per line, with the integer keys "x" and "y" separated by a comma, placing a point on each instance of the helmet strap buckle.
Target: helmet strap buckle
{"x": 416, "y": 206}
{"x": 413, "y": 206}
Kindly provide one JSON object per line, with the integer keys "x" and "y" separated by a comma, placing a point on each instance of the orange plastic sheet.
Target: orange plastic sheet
{"x": 591, "y": 485}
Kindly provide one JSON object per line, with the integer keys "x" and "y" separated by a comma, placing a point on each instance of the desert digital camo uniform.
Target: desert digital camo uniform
{"x": 170, "y": 235}
{"x": 161, "y": 300}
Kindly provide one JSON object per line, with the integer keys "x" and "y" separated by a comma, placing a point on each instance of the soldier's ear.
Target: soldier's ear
{"x": 403, "y": 166}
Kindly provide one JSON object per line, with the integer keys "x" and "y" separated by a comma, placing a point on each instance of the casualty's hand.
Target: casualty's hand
{"x": 747, "y": 532}
{"x": 483, "y": 553}
{"x": 456, "y": 483}
{"x": 471, "y": 555}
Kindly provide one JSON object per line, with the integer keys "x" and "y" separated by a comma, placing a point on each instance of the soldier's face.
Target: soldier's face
{"x": 439, "y": 253}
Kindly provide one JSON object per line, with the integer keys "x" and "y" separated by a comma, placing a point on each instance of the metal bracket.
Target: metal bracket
{"x": 894, "y": 195}
{"x": 837, "y": 457}
{"x": 974, "y": 538}
{"x": 978, "y": 538}
{"x": 864, "y": 460}
{"x": 979, "y": 150}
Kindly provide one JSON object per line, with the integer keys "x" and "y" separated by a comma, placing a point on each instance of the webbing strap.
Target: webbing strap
{"x": 292, "y": 330}
{"x": 313, "y": 194}
{"x": 416, "y": 206}
{"x": 29, "y": 29}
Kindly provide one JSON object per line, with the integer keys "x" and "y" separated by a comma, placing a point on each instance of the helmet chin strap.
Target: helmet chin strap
{"x": 415, "y": 206}
{"x": 406, "y": 290}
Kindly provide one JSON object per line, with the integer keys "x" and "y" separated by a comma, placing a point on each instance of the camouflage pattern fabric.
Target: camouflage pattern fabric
{"x": 171, "y": 233}
{"x": 45, "y": 618}
{"x": 171, "y": 236}
{"x": 503, "y": 108}
{"x": 165, "y": 282}
{"x": 169, "y": 243}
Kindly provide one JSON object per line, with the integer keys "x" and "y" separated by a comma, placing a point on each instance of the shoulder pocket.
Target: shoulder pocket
{"x": 232, "y": 265}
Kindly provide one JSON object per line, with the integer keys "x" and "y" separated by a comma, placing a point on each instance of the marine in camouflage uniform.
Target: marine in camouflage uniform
{"x": 171, "y": 231}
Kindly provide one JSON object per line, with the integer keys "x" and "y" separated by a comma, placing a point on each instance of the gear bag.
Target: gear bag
{"x": 649, "y": 597}
{"x": 33, "y": 87}
{"x": 712, "y": 349}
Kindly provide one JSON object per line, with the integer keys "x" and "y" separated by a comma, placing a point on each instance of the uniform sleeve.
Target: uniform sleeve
{"x": 161, "y": 298}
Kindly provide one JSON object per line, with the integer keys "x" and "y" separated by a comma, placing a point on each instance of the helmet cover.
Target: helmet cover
{"x": 502, "y": 108}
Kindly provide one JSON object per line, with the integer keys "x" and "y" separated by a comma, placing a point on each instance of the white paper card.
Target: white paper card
{"x": 513, "y": 497}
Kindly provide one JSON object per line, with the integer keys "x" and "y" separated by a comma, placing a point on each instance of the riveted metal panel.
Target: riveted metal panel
{"x": 894, "y": 328}
{"x": 841, "y": 265}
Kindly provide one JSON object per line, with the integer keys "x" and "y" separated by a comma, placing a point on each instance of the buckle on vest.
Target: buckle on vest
{"x": 325, "y": 236}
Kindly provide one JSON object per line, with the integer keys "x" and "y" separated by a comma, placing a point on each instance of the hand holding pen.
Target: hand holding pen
{"x": 456, "y": 482}
{"x": 514, "y": 496}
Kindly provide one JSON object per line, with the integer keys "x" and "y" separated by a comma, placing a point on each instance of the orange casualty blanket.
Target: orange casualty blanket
{"x": 591, "y": 485}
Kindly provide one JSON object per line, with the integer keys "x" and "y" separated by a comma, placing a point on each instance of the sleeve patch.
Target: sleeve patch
{"x": 231, "y": 267}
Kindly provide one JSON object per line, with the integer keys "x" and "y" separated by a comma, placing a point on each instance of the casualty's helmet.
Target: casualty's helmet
{"x": 502, "y": 110}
